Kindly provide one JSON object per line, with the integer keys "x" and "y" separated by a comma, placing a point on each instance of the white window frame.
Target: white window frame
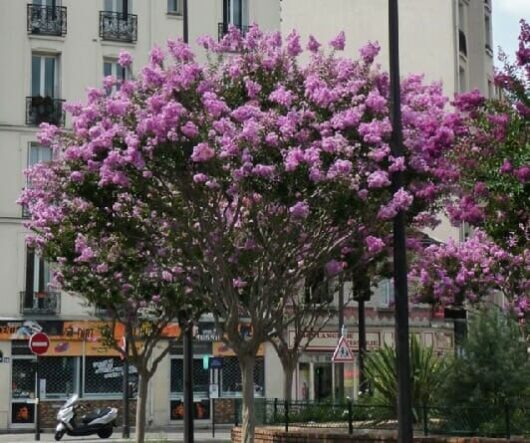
{"x": 117, "y": 6}
{"x": 42, "y": 74}
{"x": 175, "y": 7}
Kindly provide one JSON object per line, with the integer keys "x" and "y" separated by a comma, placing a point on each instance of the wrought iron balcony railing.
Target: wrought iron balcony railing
{"x": 117, "y": 26}
{"x": 47, "y": 20}
{"x": 44, "y": 110}
{"x": 222, "y": 29}
{"x": 40, "y": 303}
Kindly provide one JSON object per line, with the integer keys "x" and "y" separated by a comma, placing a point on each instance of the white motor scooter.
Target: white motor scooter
{"x": 99, "y": 421}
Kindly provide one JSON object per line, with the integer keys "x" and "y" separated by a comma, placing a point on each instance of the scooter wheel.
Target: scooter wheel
{"x": 59, "y": 435}
{"x": 105, "y": 433}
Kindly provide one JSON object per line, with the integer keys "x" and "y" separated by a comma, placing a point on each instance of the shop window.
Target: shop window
{"x": 231, "y": 377}
{"x": 104, "y": 376}
{"x": 23, "y": 378}
{"x": 58, "y": 376}
{"x": 201, "y": 409}
{"x": 22, "y": 413}
{"x": 201, "y": 377}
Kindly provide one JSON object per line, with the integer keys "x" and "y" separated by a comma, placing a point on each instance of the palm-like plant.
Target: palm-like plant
{"x": 428, "y": 372}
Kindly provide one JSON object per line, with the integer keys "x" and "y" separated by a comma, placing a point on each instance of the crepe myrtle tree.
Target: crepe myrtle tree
{"x": 109, "y": 249}
{"x": 237, "y": 179}
{"x": 493, "y": 155}
{"x": 459, "y": 274}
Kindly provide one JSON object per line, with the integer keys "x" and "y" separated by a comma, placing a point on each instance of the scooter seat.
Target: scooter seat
{"x": 95, "y": 414}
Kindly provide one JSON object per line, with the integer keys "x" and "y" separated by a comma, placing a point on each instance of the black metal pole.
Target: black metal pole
{"x": 37, "y": 401}
{"x": 362, "y": 343}
{"x": 126, "y": 431}
{"x": 187, "y": 325}
{"x": 188, "y": 382}
{"x": 341, "y": 330}
{"x": 185, "y": 22}
{"x": 400, "y": 253}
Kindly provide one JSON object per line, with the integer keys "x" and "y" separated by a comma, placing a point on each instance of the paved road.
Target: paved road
{"x": 201, "y": 436}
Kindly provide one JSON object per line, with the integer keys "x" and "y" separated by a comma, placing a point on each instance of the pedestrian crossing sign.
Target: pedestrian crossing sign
{"x": 342, "y": 353}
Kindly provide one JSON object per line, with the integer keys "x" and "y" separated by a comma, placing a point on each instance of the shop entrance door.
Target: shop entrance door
{"x": 23, "y": 392}
{"x": 323, "y": 384}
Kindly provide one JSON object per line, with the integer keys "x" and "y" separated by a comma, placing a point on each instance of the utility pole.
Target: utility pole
{"x": 341, "y": 331}
{"x": 400, "y": 257}
{"x": 126, "y": 426}
{"x": 186, "y": 323}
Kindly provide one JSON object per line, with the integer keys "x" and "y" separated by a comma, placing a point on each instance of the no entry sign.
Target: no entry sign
{"x": 39, "y": 343}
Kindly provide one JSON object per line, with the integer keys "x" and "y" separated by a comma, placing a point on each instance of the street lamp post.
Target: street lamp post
{"x": 185, "y": 321}
{"x": 400, "y": 257}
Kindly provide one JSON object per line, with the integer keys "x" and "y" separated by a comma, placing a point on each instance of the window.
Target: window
{"x": 111, "y": 67}
{"x": 50, "y": 3}
{"x": 38, "y": 154}
{"x": 235, "y": 12}
{"x": 44, "y": 76}
{"x": 123, "y": 6}
{"x": 201, "y": 377}
{"x": 462, "y": 79}
{"x": 23, "y": 378}
{"x": 462, "y": 16}
{"x": 231, "y": 377}
{"x": 175, "y": 7}
{"x": 60, "y": 375}
{"x": 37, "y": 298}
{"x": 104, "y": 375}
{"x": 487, "y": 26}
{"x": 383, "y": 294}
{"x": 317, "y": 288}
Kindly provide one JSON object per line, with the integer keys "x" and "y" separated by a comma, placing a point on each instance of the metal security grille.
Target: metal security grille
{"x": 201, "y": 377}
{"x": 58, "y": 376}
{"x": 231, "y": 377}
{"x": 104, "y": 376}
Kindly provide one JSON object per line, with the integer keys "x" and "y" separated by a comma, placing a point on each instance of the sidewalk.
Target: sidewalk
{"x": 201, "y": 436}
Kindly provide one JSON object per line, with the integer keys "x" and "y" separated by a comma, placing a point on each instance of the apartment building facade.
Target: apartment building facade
{"x": 52, "y": 50}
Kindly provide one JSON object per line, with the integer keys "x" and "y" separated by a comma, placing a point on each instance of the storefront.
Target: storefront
{"x": 316, "y": 377}
{"x": 77, "y": 362}
{"x": 216, "y": 374}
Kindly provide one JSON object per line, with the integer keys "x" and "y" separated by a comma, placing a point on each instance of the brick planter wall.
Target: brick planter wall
{"x": 274, "y": 435}
{"x": 48, "y": 410}
{"x": 225, "y": 410}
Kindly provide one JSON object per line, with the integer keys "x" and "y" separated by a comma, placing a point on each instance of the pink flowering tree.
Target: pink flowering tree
{"x": 108, "y": 246}
{"x": 471, "y": 272}
{"x": 237, "y": 180}
{"x": 493, "y": 155}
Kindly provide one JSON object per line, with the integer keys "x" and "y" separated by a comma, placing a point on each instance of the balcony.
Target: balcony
{"x": 44, "y": 110}
{"x": 40, "y": 303}
{"x": 116, "y": 26}
{"x": 462, "y": 42}
{"x": 47, "y": 20}
{"x": 222, "y": 29}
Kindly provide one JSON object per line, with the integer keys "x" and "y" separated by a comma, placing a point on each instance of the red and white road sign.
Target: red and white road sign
{"x": 39, "y": 343}
{"x": 343, "y": 353}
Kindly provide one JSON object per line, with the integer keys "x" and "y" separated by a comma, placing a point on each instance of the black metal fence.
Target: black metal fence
{"x": 506, "y": 420}
{"x": 44, "y": 110}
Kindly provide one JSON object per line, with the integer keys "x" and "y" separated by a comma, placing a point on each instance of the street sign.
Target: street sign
{"x": 39, "y": 343}
{"x": 214, "y": 390}
{"x": 343, "y": 353}
{"x": 216, "y": 363}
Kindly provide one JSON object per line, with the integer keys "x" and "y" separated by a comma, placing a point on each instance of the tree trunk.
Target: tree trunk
{"x": 247, "y": 364}
{"x": 141, "y": 405}
{"x": 288, "y": 374}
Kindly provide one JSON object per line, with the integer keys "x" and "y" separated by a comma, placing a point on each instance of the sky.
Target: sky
{"x": 506, "y": 16}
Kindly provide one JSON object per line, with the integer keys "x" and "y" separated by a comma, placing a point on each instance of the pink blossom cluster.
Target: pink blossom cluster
{"x": 470, "y": 272}
{"x": 492, "y": 153}
{"x": 250, "y": 156}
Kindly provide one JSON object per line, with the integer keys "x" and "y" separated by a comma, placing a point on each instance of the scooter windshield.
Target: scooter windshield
{"x": 71, "y": 401}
